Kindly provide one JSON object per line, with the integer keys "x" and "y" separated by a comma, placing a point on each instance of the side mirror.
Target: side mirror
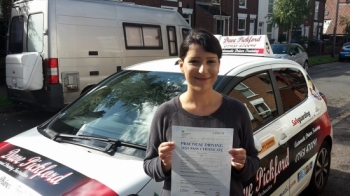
{"x": 293, "y": 53}
{"x": 257, "y": 144}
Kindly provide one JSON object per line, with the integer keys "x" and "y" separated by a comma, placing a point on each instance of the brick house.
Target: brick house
{"x": 206, "y": 14}
{"x": 239, "y": 17}
{"x": 329, "y": 19}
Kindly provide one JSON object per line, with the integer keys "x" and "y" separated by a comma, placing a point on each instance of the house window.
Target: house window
{"x": 306, "y": 29}
{"x": 185, "y": 32}
{"x": 243, "y": 3}
{"x": 317, "y": 3}
{"x": 269, "y": 31}
{"x": 187, "y": 17}
{"x": 261, "y": 28}
{"x": 141, "y": 36}
{"x": 251, "y": 27}
{"x": 270, "y": 8}
{"x": 219, "y": 27}
{"x": 314, "y": 33}
{"x": 241, "y": 24}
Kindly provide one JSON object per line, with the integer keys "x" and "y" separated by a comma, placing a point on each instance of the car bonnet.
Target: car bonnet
{"x": 32, "y": 163}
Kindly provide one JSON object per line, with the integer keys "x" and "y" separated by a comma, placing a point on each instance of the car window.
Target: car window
{"x": 301, "y": 49}
{"x": 257, "y": 95}
{"x": 295, "y": 49}
{"x": 292, "y": 87}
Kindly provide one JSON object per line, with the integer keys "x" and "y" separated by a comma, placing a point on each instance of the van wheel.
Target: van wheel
{"x": 321, "y": 170}
{"x": 306, "y": 66}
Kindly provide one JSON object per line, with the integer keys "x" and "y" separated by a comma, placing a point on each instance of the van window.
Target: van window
{"x": 292, "y": 86}
{"x": 35, "y": 32}
{"x": 16, "y": 35}
{"x": 257, "y": 94}
{"x": 172, "y": 40}
{"x": 139, "y": 36}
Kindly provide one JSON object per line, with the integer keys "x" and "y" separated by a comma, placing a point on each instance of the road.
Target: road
{"x": 331, "y": 79}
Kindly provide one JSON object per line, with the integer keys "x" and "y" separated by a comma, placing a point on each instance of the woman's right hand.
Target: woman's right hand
{"x": 165, "y": 151}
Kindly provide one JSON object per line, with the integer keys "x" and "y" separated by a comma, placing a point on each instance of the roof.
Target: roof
{"x": 344, "y": 10}
{"x": 227, "y": 63}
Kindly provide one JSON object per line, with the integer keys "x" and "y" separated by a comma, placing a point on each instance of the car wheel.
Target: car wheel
{"x": 306, "y": 65}
{"x": 341, "y": 60}
{"x": 321, "y": 170}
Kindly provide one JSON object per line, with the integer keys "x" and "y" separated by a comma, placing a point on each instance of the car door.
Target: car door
{"x": 302, "y": 117}
{"x": 254, "y": 88}
{"x": 303, "y": 55}
{"x": 297, "y": 56}
{"x": 291, "y": 53}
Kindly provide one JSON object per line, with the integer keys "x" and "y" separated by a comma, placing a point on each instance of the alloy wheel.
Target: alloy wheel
{"x": 322, "y": 168}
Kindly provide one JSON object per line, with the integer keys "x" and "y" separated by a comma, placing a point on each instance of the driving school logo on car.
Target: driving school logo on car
{"x": 314, "y": 91}
{"x": 301, "y": 118}
{"x": 41, "y": 174}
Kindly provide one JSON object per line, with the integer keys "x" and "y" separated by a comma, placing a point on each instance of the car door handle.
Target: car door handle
{"x": 317, "y": 110}
{"x": 285, "y": 139}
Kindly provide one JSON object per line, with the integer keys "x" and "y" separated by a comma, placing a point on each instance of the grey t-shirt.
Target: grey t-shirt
{"x": 231, "y": 114}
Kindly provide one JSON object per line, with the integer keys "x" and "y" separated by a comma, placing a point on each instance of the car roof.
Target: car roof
{"x": 227, "y": 63}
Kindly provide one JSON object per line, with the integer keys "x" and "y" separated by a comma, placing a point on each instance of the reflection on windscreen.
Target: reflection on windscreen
{"x": 122, "y": 107}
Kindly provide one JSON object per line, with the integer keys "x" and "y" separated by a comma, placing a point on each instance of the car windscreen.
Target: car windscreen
{"x": 121, "y": 107}
{"x": 279, "y": 49}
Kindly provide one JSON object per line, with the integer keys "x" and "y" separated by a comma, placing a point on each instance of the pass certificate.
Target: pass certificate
{"x": 201, "y": 164}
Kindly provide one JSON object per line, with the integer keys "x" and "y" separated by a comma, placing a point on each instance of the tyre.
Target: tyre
{"x": 340, "y": 59}
{"x": 306, "y": 65}
{"x": 321, "y": 170}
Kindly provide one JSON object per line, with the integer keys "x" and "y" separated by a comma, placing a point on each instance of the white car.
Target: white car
{"x": 96, "y": 145}
{"x": 292, "y": 51}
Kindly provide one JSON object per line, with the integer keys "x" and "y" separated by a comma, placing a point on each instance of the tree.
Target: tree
{"x": 288, "y": 14}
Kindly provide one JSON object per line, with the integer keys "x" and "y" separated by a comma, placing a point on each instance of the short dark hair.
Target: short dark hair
{"x": 203, "y": 38}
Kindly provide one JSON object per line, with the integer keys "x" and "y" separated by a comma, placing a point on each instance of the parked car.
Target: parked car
{"x": 96, "y": 145}
{"x": 292, "y": 51}
{"x": 344, "y": 53}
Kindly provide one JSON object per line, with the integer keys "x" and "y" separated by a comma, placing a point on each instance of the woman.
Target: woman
{"x": 201, "y": 106}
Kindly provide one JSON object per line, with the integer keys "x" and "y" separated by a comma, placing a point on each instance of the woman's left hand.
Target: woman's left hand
{"x": 238, "y": 159}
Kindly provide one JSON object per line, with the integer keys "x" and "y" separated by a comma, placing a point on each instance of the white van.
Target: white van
{"x": 60, "y": 48}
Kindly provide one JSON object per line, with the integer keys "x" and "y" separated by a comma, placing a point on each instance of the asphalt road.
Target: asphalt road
{"x": 331, "y": 79}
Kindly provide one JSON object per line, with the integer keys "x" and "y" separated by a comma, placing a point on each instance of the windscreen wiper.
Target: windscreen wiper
{"x": 111, "y": 145}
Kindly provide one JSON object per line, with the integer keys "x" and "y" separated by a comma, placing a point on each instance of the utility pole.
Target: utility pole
{"x": 335, "y": 29}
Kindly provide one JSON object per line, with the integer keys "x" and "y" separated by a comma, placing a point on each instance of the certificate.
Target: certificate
{"x": 201, "y": 164}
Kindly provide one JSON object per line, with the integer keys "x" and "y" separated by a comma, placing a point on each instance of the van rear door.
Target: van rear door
{"x": 24, "y": 69}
